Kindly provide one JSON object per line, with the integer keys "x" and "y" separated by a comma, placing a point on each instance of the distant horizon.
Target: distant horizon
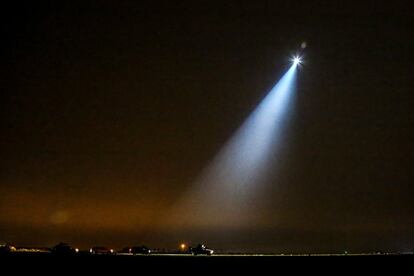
{"x": 216, "y": 242}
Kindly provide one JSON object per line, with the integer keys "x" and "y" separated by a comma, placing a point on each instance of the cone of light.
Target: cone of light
{"x": 220, "y": 195}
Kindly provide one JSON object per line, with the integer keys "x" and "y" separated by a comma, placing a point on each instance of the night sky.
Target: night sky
{"x": 110, "y": 109}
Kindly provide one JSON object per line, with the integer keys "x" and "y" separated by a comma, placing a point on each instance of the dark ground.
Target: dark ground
{"x": 217, "y": 264}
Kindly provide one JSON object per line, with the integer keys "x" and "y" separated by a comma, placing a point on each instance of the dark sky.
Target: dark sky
{"x": 110, "y": 110}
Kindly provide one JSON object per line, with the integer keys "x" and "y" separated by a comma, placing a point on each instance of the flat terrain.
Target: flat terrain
{"x": 215, "y": 264}
{"x": 189, "y": 256}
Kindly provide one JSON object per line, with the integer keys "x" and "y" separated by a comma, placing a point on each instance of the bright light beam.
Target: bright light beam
{"x": 220, "y": 195}
{"x": 243, "y": 158}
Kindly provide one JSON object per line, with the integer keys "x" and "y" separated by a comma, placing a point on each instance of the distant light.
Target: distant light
{"x": 297, "y": 60}
{"x": 76, "y": 250}
{"x": 183, "y": 246}
{"x": 303, "y": 45}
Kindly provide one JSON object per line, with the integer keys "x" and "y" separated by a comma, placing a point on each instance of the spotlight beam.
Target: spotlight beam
{"x": 244, "y": 156}
{"x": 220, "y": 196}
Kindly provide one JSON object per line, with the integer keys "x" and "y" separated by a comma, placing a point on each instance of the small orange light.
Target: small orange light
{"x": 183, "y": 246}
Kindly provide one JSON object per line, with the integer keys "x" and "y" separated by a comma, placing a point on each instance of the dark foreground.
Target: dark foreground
{"x": 188, "y": 264}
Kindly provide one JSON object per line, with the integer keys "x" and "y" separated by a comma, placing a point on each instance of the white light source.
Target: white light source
{"x": 297, "y": 60}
